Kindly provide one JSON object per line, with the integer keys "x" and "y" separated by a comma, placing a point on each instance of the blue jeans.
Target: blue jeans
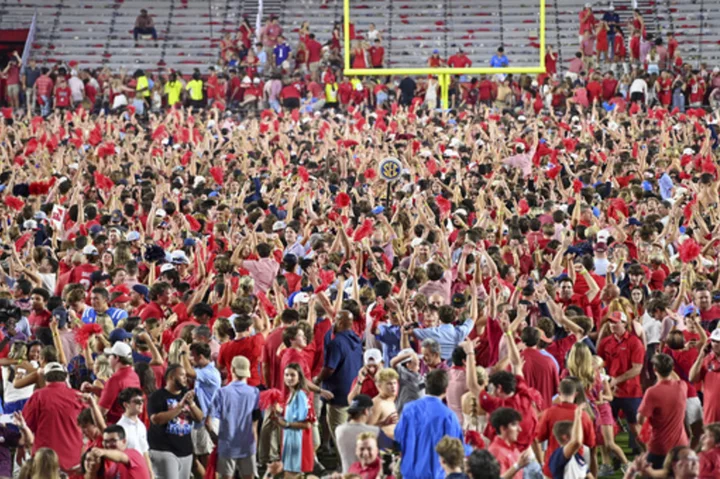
{"x": 611, "y": 46}
{"x": 144, "y": 31}
{"x": 45, "y": 107}
{"x": 533, "y": 471}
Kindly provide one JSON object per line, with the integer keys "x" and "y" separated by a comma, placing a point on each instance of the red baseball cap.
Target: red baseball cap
{"x": 617, "y": 316}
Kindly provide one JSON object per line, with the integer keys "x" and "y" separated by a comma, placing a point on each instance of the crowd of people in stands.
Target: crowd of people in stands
{"x": 288, "y": 272}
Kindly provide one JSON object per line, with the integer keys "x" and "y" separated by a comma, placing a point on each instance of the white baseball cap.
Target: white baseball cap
{"x": 166, "y": 267}
{"x": 715, "y": 335}
{"x": 373, "y": 356}
{"x": 119, "y": 349}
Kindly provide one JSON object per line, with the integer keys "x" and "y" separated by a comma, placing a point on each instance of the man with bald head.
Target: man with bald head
{"x": 343, "y": 358}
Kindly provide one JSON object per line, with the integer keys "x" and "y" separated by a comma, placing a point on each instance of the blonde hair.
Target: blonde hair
{"x": 43, "y": 465}
{"x": 451, "y": 451}
{"x": 366, "y": 435}
{"x": 174, "y": 352}
{"x": 580, "y": 364}
{"x": 102, "y": 368}
{"x": 18, "y": 351}
{"x": 246, "y": 285}
{"x": 386, "y": 375}
{"x": 482, "y": 375}
{"x": 623, "y": 305}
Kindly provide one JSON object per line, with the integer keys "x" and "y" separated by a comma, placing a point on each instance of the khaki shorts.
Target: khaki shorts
{"x": 245, "y": 466}
{"x": 13, "y": 90}
{"x": 202, "y": 444}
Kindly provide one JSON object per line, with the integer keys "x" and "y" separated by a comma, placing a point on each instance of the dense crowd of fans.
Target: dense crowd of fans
{"x": 219, "y": 276}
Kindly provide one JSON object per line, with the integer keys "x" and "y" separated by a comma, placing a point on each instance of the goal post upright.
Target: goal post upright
{"x": 443, "y": 74}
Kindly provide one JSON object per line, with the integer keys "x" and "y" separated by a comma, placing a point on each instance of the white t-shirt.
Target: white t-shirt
{"x": 135, "y": 434}
{"x": 10, "y": 393}
{"x": 77, "y": 89}
{"x": 652, "y": 328}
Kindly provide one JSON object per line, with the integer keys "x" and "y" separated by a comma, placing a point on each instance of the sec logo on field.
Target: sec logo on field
{"x": 390, "y": 169}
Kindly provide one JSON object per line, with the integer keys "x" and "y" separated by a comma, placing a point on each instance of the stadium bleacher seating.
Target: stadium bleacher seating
{"x": 99, "y": 32}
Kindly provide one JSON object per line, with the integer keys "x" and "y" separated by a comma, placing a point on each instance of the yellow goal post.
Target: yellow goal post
{"x": 443, "y": 74}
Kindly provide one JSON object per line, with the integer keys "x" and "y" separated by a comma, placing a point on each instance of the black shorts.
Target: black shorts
{"x": 637, "y": 97}
{"x": 291, "y": 103}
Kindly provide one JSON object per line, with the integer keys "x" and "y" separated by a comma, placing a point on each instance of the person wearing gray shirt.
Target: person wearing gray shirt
{"x": 412, "y": 383}
{"x": 346, "y": 434}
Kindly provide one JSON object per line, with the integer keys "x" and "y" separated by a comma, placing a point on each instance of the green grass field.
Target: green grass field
{"x": 622, "y": 440}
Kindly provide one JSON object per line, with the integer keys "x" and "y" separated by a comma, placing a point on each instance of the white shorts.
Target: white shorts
{"x": 202, "y": 444}
{"x": 693, "y": 411}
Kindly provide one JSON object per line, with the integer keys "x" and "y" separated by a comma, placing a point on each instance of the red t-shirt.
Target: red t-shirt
{"x": 710, "y": 377}
{"x": 377, "y": 54}
{"x": 320, "y": 331}
{"x": 594, "y": 89}
{"x": 152, "y": 310}
{"x": 608, "y": 88}
{"x": 81, "y": 274}
{"x": 251, "y": 347}
{"x": 44, "y": 85}
{"x": 556, "y": 413}
{"x": 709, "y": 315}
{"x": 620, "y": 354}
{"x": 485, "y": 90}
{"x": 303, "y": 358}
{"x": 289, "y": 91}
{"x": 125, "y": 377}
{"x": 270, "y": 358}
{"x": 52, "y": 413}
{"x": 710, "y": 464}
{"x": 542, "y": 374}
{"x": 62, "y": 96}
{"x": 368, "y": 387}
{"x": 523, "y": 401}
{"x": 40, "y": 319}
{"x": 664, "y": 406}
{"x": 136, "y": 468}
{"x": 314, "y": 48}
{"x": 459, "y": 61}
{"x": 697, "y": 90}
{"x": 560, "y": 348}
{"x": 506, "y": 454}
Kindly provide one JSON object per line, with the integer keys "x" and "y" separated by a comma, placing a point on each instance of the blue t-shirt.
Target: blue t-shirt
{"x": 282, "y": 52}
{"x": 499, "y": 61}
{"x": 207, "y": 382}
{"x": 90, "y": 315}
{"x": 562, "y": 467}
{"x": 343, "y": 354}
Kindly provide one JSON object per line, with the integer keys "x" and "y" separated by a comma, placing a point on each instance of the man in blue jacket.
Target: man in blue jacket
{"x": 343, "y": 359}
{"x": 423, "y": 423}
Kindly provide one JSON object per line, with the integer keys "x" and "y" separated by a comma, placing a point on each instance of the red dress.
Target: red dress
{"x": 550, "y": 64}
{"x": 602, "y": 41}
{"x": 665, "y": 91}
{"x": 620, "y": 50}
{"x": 246, "y": 33}
{"x": 335, "y": 42}
{"x": 635, "y": 47}
{"x": 359, "y": 58}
